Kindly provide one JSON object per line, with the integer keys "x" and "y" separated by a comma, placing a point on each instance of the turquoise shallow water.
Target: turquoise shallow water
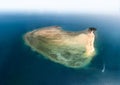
{"x": 19, "y": 65}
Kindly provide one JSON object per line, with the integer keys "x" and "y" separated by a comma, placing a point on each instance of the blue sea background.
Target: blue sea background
{"x": 19, "y": 65}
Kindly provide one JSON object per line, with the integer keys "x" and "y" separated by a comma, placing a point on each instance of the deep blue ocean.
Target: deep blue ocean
{"x": 19, "y": 65}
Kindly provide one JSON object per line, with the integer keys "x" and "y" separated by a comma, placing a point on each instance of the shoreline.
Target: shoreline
{"x": 47, "y": 56}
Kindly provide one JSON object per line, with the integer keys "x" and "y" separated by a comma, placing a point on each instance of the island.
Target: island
{"x": 71, "y": 49}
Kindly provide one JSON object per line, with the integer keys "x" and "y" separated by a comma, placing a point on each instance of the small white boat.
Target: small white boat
{"x": 103, "y": 70}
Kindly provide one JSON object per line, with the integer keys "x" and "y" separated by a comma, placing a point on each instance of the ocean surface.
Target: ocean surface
{"x": 19, "y": 65}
